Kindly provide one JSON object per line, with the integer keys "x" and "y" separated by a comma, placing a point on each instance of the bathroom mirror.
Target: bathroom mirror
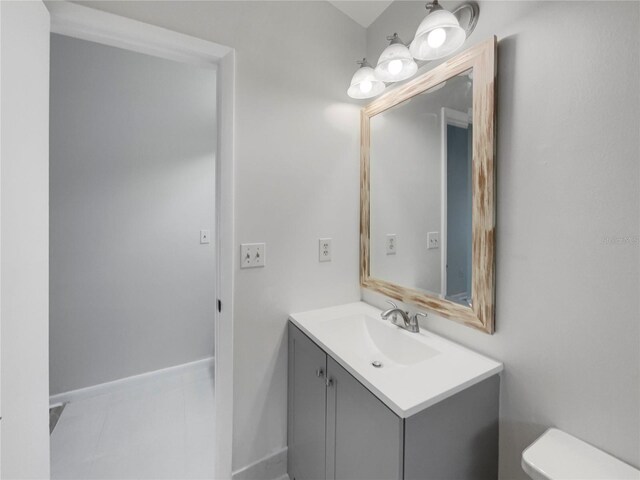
{"x": 427, "y": 190}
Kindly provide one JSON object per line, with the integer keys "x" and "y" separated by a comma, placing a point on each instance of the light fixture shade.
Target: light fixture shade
{"x": 396, "y": 63}
{"x": 438, "y": 35}
{"x": 364, "y": 83}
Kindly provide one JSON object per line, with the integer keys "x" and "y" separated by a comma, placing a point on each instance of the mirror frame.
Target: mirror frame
{"x": 482, "y": 58}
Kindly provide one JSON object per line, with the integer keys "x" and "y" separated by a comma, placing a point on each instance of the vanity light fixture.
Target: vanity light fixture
{"x": 440, "y": 33}
{"x": 396, "y": 62}
{"x": 364, "y": 83}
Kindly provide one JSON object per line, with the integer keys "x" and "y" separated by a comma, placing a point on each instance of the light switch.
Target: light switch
{"x": 204, "y": 236}
{"x": 259, "y": 255}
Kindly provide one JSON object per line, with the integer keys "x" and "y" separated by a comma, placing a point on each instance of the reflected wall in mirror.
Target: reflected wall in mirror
{"x": 427, "y": 210}
{"x": 420, "y": 191}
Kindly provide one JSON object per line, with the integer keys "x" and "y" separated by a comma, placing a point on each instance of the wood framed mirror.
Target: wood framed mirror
{"x": 427, "y": 190}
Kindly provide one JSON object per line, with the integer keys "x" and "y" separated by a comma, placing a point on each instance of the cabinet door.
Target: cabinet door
{"x": 364, "y": 437}
{"x": 307, "y": 408}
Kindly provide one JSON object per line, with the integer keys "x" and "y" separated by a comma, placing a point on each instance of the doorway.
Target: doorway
{"x": 132, "y": 272}
{"x": 457, "y": 145}
{"x": 459, "y": 204}
{"x": 106, "y": 29}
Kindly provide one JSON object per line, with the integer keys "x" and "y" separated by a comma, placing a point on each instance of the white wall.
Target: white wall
{"x": 24, "y": 237}
{"x": 133, "y": 141}
{"x": 568, "y": 186}
{"x": 296, "y": 153}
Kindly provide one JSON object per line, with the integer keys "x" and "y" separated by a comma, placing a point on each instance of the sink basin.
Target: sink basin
{"x": 372, "y": 340}
{"x": 407, "y": 371}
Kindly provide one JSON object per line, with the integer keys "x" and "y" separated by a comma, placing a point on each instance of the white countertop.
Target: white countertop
{"x": 418, "y": 369}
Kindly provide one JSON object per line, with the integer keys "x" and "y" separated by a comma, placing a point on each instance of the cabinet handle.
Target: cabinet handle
{"x": 329, "y": 382}
{"x": 319, "y": 373}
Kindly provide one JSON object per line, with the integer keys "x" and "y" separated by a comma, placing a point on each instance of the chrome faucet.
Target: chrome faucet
{"x": 408, "y": 322}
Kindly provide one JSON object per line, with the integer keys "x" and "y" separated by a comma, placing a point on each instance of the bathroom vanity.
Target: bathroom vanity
{"x": 369, "y": 400}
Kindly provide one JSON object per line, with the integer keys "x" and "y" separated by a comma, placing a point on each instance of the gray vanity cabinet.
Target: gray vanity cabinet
{"x": 307, "y": 408}
{"x": 331, "y": 432}
{"x": 364, "y": 437}
{"x": 339, "y": 430}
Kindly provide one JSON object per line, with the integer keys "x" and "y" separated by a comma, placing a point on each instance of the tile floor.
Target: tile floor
{"x": 157, "y": 429}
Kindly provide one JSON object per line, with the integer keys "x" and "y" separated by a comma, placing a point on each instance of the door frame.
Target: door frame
{"x": 108, "y": 29}
{"x": 448, "y": 116}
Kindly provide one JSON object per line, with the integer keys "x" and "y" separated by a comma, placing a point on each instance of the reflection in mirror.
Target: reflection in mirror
{"x": 420, "y": 191}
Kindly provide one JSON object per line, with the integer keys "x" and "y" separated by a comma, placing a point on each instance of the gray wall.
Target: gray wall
{"x": 133, "y": 141}
{"x": 568, "y": 174}
{"x": 296, "y": 180}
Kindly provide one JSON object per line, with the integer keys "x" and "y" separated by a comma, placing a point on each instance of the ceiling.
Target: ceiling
{"x": 362, "y": 11}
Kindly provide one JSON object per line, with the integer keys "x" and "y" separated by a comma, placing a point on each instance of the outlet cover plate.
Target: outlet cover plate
{"x": 433, "y": 240}
{"x": 324, "y": 250}
{"x": 392, "y": 243}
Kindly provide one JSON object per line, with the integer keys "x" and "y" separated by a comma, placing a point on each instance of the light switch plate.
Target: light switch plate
{"x": 392, "y": 243}
{"x": 253, "y": 255}
{"x": 433, "y": 240}
{"x": 324, "y": 250}
{"x": 204, "y": 236}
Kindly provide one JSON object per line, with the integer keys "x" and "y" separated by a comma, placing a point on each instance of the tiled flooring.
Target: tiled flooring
{"x": 157, "y": 429}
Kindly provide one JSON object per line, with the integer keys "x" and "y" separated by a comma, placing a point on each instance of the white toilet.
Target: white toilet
{"x": 556, "y": 455}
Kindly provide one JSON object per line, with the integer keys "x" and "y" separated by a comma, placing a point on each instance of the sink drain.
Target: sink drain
{"x": 376, "y": 364}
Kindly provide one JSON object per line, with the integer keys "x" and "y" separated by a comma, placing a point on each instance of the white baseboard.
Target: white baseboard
{"x": 271, "y": 467}
{"x": 128, "y": 382}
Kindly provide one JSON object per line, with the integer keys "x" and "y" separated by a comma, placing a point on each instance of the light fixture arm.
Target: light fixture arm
{"x": 433, "y": 6}
{"x": 394, "y": 39}
{"x": 364, "y": 63}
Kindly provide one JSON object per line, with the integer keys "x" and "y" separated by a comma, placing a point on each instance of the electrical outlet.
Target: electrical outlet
{"x": 253, "y": 255}
{"x": 324, "y": 250}
{"x": 204, "y": 236}
{"x": 392, "y": 243}
{"x": 433, "y": 240}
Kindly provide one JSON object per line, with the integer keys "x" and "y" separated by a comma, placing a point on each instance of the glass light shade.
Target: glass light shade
{"x": 395, "y": 64}
{"x": 364, "y": 84}
{"x": 438, "y": 35}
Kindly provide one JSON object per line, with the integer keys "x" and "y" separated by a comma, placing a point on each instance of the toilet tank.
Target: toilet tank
{"x": 556, "y": 455}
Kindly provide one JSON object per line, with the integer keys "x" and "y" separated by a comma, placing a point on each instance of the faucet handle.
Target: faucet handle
{"x": 419, "y": 314}
{"x": 393, "y": 305}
